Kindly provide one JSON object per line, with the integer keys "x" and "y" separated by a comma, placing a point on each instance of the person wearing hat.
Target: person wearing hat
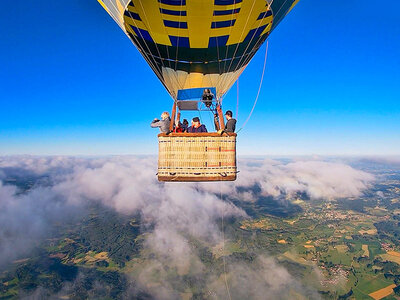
{"x": 196, "y": 126}
{"x": 163, "y": 124}
{"x": 230, "y": 123}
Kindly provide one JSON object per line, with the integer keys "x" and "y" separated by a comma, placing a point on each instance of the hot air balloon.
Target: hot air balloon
{"x": 193, "y": 46}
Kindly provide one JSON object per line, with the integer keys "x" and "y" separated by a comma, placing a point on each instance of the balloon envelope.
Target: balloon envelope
{"x": 198, "y": 43}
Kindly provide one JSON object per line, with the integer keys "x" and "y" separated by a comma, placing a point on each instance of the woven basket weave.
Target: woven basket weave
{"x": 197, "y": 157}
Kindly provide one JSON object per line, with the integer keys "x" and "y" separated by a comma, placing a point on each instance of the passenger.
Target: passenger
{"x": 196, "y": 126}
{"x": 185, "y": 125}
{"x": 230, "y": 123}
{"x": 163, "y": 124}
{"x": 178, "y": 127}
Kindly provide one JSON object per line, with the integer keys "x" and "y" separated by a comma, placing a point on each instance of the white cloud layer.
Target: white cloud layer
{"x": 175, "y": 210}
{"x": 318, "y": 179}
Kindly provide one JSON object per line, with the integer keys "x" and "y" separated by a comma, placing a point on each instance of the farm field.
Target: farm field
{"x": 390, "y": 257}
{"x": 382, "y": 293}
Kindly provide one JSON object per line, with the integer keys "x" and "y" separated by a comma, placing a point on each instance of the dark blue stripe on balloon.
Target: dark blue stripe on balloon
{"x": 218, "y": 41}
{"x": 254, "y": 33}
{"x": 226, "y": 12}
{"x": 175, "y": 24}
{"x": 178, "y": 41}
{"x": 264, "y": 15}
{"x": 143, "y": 34}
{"x": 222, "y": 24}
{"x": 132, "y": 15}
{"x": 173, "y": 2}
{"x": 226, "y": 2}
{"x": 173, "y": 12}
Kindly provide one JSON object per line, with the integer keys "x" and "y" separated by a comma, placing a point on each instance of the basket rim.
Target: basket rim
{"x": 200, "y": 134}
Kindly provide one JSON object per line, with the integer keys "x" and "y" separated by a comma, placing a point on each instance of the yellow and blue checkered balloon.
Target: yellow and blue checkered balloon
{"x": 198, "y": 43}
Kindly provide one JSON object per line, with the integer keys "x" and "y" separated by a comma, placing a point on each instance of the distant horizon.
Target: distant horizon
{"x": 396, "y": 157}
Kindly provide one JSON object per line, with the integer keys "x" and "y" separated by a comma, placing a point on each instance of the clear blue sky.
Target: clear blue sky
{"x": 72, "y": 83}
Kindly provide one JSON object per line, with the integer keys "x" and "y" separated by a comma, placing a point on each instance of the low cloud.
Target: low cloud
{"x": 393, "y": 160}
{"x": 264, "y": 279}
{"x": 25, "y": 219}
{"x": 317, "y": 179}
{"x": 174, "y": 212}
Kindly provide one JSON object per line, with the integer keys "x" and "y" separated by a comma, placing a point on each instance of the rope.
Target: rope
{"x": 158, "y": 51}
{"x": 237, "y": 99}
{"x": 148, "y": 54}
{"x": 137, "y": 45}
{"x": 169, "y": 58}
{"x": 245, "y": 58}
{"x": 223, "y": 251}
{"x": 229, "y": 79}
{"x": 230, "y": 32}
{"x": 242, "y": 60}
{"x": 261, "y": 37}
{"x": 241, "y": 35}
{"x": 150, "y": 30}
{"x": 219, "y": 61}
{"x": 177, "y": 42}
{"x": 259, "y": 90}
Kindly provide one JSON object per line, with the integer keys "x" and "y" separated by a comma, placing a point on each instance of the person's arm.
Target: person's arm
{"x": 204, "y": 129}
{"x": 156, "y": 123}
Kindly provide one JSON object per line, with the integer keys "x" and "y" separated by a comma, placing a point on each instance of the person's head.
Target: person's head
{"x": 196, "y": 122}
{"x": 228, "y": 114}
{"x": 185, "y": 122}
{"x": 165, "y": 115}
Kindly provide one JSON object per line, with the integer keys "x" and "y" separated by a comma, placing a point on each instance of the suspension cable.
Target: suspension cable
{"x": 237, "y": 99}
{"x": 259, "y": 89}
{"x": 242, "y": 60}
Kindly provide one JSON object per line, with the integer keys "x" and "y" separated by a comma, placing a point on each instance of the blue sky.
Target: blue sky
{"x": 72, "y": 83}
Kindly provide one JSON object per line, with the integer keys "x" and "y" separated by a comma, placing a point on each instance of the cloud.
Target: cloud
{"x": 263, "y": 278}
{"x": 25, "y": 219}
{"x": 24, "y": 165}
{"x": 317, "y": 179}
{"x": 173, "y": 213}
{"x": 393, "y": 160}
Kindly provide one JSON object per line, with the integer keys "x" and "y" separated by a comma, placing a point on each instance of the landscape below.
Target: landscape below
{"x": 346, "y": 248}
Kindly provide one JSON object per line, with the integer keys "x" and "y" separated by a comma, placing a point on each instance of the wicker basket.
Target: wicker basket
{"x": 197, "y": 157}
